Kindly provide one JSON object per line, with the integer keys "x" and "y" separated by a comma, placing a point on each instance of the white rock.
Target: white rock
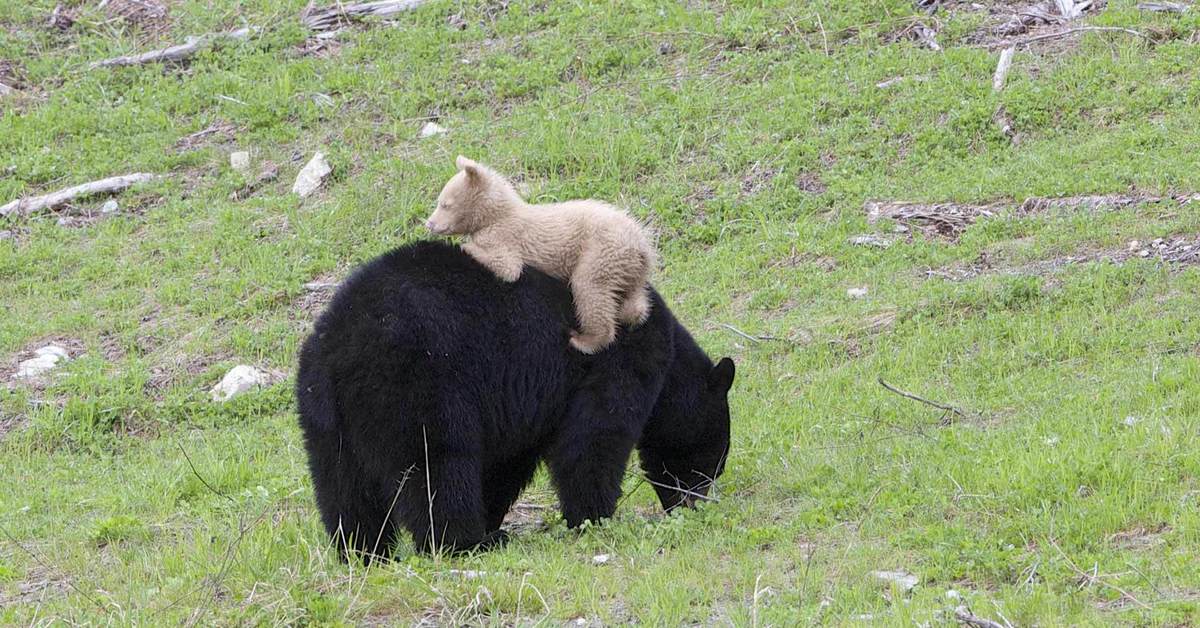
{"x": 467, "y": 574}
{"x": 431, "y": 129}
{"x": 44, "y": 359}
{"x": 856, "y": 293}
{"x": 1157, "y": 242}
{"x": 109, "y": 207}
{"x": 1052, "y": 441}
{"x": 600, "y": 559}
{"x": 238, "y": 380}
{"x": 904, "y": 579}
{"x": 312, "y": 175}
{"x": 870, "y": 239}
{"x": 1131, "y": 421}
{"x": 64, "y": 221}
{"x": 240, "y": 161}
{"x": 954, "y": 595}
{"x": 1134, "y": 245}
{"x": 1143, "y": 253}
{"x": 6, "y": 234}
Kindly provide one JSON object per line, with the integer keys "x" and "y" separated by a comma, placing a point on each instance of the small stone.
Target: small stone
{"x": 666, "y": 48}
{"x": 903, "y": 579}
{"x": 240, "y": 161}
{"x": 1052, "y": 441}
{"x": 312, "y": 175}
{"x": 1130, "y": 421}
{"x": 1134, "y": 245}
{"x": 44, "y": 359}
{"x": 954, "y": 595}
{"x": 64, "y": 221}
{"x": 856, "y": 293}
{"x": 1143, "y": 253}
{"x": 457, "y": 22}
{"x": 6, "y": 234}
{"x": 238, "y": 380}
{"x": 110, "y": 206}
{"x": 1158, "y": 242}
{"x": 431, "y": 129}
{"x": 900, "y": 229}
{"x": 600, "y": 559}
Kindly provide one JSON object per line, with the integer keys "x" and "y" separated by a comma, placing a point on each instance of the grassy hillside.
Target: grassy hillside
{"x": 1064, "y": 489}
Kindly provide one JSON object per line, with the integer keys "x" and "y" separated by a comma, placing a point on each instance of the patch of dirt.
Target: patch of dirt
{"x": 218, "y": 132}
{"x": 177, "y": 369}
{"x": 1177, "y": 250}
{"x": 1007, "y": 21}
{"x": 917, "y": 30}
{"x": 949, "y": 220}
{"x": 321, "y": 46}
{"x": 1139, "y": 538}
{"x": 757, "y": 178}
{"x": 317, "y": 294}
{"x": 11, "y": 75}
{"x": 11, "y": 423}
{"x": 811, "y": 183}
{"x": 148, "y": 16}
{"x": 38, "y": 586}
{"x": 525, "y": 517}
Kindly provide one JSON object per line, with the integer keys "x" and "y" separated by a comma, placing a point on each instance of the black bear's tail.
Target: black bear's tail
{"x": 314, "y": 391}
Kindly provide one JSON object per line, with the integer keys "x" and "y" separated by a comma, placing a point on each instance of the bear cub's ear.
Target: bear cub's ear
{"x": 465, "y": 164}
{"x": 720, "y": 378}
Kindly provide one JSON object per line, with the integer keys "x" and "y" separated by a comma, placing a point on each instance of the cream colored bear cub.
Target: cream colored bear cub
{"x": 600, "y": 250}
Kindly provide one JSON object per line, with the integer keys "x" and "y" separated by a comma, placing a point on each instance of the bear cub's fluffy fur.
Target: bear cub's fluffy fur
{"x": 600, "y": 250}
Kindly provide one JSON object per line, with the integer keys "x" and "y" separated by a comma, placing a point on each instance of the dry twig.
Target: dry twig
{"x": 935, "y": 404}
{"x": 1089, "y": 578}
{"x": 174, "y": 53}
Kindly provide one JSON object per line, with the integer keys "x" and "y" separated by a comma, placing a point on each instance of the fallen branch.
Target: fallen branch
{"x": 1002, "y": 68}
{"x": 908, "y": 395}
{"x": 174, "y": 53}
{"x": 1069, "y": 31}
{"x": 963, "y": 614}
{"x": 332, "y": 17}
{"x": 111, "y": 185}
{"x": 1163, "y": 7}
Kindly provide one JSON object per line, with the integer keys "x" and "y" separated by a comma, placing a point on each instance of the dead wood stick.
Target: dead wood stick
{"x": 908, "y": 395}
{"x": 1069, "y": 31}
{"x": 1002, "y": 68}
{"x": 174, "y": 53}
{"x": 111, "y": 185}
{"x": 329, "y": 17}
{"x": 964, "y": 615}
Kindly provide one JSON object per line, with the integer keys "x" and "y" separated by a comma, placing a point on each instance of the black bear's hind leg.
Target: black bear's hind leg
{"x": 454, "y": 520}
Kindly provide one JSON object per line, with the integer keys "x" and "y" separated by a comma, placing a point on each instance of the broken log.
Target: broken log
{"x": 111, "y": 185}
{"x": 1002, "y": 67}
{"x": 964, "y": 615}
{"x": 174, "y": 53}
{"x": 331, "y": 17}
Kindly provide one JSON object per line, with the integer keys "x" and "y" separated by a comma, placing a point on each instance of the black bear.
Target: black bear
{"x": 429, "y": 390}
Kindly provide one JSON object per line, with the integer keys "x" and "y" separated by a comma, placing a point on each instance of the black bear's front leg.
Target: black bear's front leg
{"x": 502, "y": 483}
{"x": 588, "y": 459}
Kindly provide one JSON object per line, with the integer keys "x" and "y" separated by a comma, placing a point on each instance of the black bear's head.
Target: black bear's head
{"x": 691, "y": 443}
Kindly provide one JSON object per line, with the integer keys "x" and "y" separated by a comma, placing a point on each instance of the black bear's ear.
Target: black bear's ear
{"x": 721, "y": 376}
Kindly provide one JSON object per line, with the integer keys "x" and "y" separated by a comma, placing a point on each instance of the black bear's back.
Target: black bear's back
{"x": 427, "y": 322}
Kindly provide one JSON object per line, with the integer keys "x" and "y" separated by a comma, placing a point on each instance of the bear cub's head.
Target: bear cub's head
{"x": 474, "y": 198}
{"x": 684, "y": 471}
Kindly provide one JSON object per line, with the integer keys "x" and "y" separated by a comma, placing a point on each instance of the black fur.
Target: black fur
{"x": 423, "y": 355}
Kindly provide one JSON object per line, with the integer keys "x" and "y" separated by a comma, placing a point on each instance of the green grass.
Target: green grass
{"x": 702, "y": 118}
